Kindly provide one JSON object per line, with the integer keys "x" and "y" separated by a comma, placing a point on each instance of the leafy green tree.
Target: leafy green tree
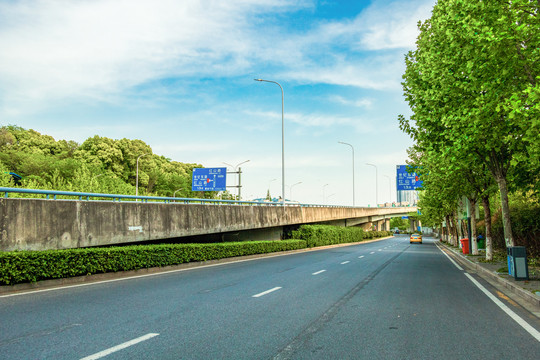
{"x": 100, "y": 165}
{"x": 470, "y": 60}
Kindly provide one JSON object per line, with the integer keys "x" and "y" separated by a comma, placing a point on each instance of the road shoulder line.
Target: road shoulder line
{"x": 525, "y": 325}
{"x": 489, "y": 276}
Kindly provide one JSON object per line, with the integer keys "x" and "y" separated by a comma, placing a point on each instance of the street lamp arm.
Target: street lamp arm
{"x": 137, "y": 176}
{"x": 376, "y": 184}
{"x": 237, "y": 165}
{"x": 352, "y": 148}
{"x": 282, "y": 138}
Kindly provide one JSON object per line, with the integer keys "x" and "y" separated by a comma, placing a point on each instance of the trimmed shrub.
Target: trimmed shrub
{"x": 30, "y": 266}
{"x": 525, "y": 218}
{"x": 321, "y": 235}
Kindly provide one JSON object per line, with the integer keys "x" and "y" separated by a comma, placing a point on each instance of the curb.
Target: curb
{"x": 522, "y": 293}
{"x": 126, "y": 275}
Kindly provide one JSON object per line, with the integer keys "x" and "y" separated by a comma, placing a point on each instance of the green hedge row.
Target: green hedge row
{"x": 321, "y": 235}
{"x": 30, "y": 266}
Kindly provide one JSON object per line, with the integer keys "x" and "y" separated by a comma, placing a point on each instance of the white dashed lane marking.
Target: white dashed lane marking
{"x": 116, "y": 348}
{"x": 266, "y": 292}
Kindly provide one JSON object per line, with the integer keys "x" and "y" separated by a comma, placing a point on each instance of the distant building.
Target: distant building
{"x": 407, "y": 196}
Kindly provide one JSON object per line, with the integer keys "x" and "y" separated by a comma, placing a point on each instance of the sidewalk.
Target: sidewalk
{"x": 519, "y": 290}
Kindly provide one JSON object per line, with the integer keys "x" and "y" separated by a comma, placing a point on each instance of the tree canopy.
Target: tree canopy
{"x": 99, "y": 164}
{"x": 472, "y": 85}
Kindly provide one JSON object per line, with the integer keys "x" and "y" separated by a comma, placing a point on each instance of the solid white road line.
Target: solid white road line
{"x": 345, "y": 262}
{"x": 361, "y": 256}
{"x": 116, "y": 348}
{"x": 266, "y": 292}
{"x": 535, "y": 333}
{"x": 318, "y": 272}
{"x": 449, "y": 258}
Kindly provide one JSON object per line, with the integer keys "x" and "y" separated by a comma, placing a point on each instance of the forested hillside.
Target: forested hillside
{"x": 99, "y": 164}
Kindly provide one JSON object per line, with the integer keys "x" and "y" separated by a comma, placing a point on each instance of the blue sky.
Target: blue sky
{"x": 179, "y": 76}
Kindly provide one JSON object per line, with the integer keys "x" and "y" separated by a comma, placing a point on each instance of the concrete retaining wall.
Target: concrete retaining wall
{"x": 35, "y": 224}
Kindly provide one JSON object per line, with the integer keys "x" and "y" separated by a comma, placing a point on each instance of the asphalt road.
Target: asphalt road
{"x": 381, "y": 300}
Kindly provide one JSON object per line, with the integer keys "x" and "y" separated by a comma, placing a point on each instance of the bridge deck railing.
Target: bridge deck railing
{"x": 81, "y": 196}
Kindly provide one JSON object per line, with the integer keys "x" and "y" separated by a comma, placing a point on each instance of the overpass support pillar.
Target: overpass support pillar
{"x": 387, "y": 224}
{"x": 367, "y": 226}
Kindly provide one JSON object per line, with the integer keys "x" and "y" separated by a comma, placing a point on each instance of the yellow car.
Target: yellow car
{"x": 416, "y": 238}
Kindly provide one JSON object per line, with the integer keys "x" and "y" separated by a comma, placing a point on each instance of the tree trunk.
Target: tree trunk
{"x": 455, "y": 231}
{"x": 487, "y": 219}
{"x": 472, "y": 214}
{"x": 508, "y": 237}
{"x": 448, "y": 226}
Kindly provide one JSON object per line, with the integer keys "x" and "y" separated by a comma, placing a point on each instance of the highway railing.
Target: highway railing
{"x": 86, "y": 196}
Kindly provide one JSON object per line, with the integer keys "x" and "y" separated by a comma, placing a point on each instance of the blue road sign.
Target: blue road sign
{"x": 209, "y": 179}
{"x": 406, "y": 181}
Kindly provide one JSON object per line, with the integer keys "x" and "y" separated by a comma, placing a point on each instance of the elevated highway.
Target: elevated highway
{"x": 88, "y": 220}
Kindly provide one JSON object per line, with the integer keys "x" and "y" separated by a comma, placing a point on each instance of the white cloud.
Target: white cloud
{"x": 392, "y": 26}
{"x": 361, "y": 103}
{"x": 94, "y": 48}
{"x": 313, "y": 120}
{"x": 99, "y": 49}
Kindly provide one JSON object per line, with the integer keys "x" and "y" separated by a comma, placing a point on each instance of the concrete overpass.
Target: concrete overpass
{"x": 42, "y": 224}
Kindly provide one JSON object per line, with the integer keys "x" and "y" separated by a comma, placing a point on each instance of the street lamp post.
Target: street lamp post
{"x": 352, "y": 148}
{"x": 174, "y": 193}
{"x": 329, "y": 196}
{"x": 323, "y": 194}
{"x": 239, "y": 172}
{"x": 137, "y": 176}
{"x": 290, "y": 192}
{"x": 282, "y": 139}
{"x": 389, "y": 187}
{"x": 376, "y": 186}
{"x": 269, "y": 187}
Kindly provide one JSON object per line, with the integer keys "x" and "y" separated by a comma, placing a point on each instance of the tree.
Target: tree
{"x": 100, "y": 165}
{"x": 471, "y": 57}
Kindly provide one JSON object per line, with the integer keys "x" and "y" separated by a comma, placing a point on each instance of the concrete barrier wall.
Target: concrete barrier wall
{"x": 35, "y": 224}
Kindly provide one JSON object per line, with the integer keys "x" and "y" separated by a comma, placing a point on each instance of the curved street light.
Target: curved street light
{"x": 329, "y": 196}
{"x": 323, "y": 194}
{"x": 389, "y": 187}
{"x": 376, "y": 186}
{"x": 239, "y": 172}
{"x": 137, "y": 176}
{"x": 290, "y": 191}
{"x": 174, "y": 193}
{"x": 352, "y": 148}
{"x": 282, "y": 139}
{"x": 237, "y": 165}
{"x": 270, "y": 182}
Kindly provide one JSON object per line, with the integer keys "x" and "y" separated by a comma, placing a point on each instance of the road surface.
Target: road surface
{"x": 381, "y": 300}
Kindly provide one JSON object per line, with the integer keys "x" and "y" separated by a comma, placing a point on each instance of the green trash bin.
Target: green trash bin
{"x": 481, "y": 242}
